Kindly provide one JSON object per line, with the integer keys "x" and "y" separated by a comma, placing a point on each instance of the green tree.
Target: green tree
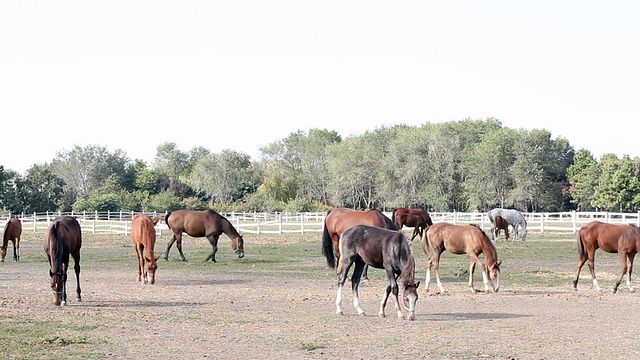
{"x": 41, "y": 190}
{"x": 583, "y": 177}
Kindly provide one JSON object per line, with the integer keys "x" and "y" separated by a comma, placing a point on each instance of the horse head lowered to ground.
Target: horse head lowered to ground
{"x": 206, "y": 223}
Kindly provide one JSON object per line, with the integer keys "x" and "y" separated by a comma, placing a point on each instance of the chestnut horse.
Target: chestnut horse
{"x": 623, "y": 239}
{"x": 500, "y": 224}
{"x": 143, "y": 235}
{"x": 63, "y": 238}
{"x": 462, "y": 239}
{"x": 417, "y": 218}
{"x": 339, "y": 220}
{"x": 12, "y": 231}
{"x": 206, "y": 223}
{"x": 383, "y": 249}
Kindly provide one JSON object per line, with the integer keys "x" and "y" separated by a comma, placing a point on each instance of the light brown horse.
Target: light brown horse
{"x": 63, "y": 239}
{"x": 383, "y": 249}
{"x": 417, "y": 218}
{"x": 143, "y": 235}
{"x": 462, "y": 239}
{"x": 12, "y": 232}
{"x": 500, "y": 224}
{"x": 623, "y": 239}
{"x": 338, "y": 221}
{"x": 206, "y": 223}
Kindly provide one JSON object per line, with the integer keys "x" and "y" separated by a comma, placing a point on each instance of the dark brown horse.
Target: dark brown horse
{"x": 143, "y": 235}
{"x": 462, "y": 239}
{"x": 383, "y": 249}
{"x": 63, "y": 239}
{"x": 206, "y": 223}
{"x": 623, "y": 239}
{"x": 500, "y": 224}
{"x": 339, "y": 220}
{"x": 417, "y": 218}
{"x": 12, "y": 232}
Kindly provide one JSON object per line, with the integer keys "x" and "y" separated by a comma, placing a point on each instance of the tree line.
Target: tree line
{"x": 465, "y": 165}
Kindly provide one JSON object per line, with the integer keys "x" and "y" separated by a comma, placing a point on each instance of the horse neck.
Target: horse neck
{"x": 489, "y": 251}
{"x": 229, "y": 230}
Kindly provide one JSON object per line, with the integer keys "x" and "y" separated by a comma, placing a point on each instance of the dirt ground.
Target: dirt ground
{"x": 213, "y": 313}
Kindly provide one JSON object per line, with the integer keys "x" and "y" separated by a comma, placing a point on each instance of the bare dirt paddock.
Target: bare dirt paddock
{"x": 278, "y": 302}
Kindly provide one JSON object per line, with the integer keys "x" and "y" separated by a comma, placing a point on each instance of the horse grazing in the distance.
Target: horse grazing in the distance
{"x": 63, "y": 239}
{"x": 501, "y": 224}
{"x": 458, "y": 240}
{"x": 206, "y": 223}
{"x": 514, "y": 218}
{"x": 143, "y": 235}
{"x": 623, "y": 239}
{"x": 417, "y": 218}
{"x": 383, "y": 249}
{"x": 12, "y": 232}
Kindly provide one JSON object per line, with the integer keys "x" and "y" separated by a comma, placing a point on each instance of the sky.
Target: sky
{"x": 240, "y": 75}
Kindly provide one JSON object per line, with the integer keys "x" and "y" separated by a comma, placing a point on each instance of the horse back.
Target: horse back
{"x": 457, "y": 239}
{"x": 143, "y": 230}
{"x": 611, "y": 238}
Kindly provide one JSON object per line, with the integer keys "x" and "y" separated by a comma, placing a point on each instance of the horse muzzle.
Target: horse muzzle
{"x": 240, "y": 253}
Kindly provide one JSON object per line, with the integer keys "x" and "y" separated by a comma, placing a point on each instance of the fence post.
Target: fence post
{"x": 280, "y": 223}
{"x": 302, "y": 224}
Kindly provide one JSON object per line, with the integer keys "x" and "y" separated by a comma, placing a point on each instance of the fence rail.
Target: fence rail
{"x": 309, "y": 222}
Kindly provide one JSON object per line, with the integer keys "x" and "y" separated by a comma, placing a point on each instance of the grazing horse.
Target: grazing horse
{"x": 500, "y": 224}
{"x": 143, "y": 235}
{"x": 383, "y": 249}
{"x": 205, "y": 223}
{"x": 514, "y": 218}
{"x": 417, "y": 218}
{"x": 623, "y": 239}
{"x": 462, "y": 239}
{"x": 12, "y": 231}
{"x": 338, "y": 221}
{"x": 63, "y": 238}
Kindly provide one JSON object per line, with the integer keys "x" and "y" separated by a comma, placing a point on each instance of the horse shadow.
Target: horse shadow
{"x": 471, "y": 316}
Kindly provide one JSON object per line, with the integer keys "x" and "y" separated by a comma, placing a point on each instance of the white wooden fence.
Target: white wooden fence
{"x": 309, "y": 222}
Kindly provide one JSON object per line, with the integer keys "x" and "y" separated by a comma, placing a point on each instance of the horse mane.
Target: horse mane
{"x": 389, "y": 223}
{"x": 58, "y": 243}
{"x": 408, "y": 271}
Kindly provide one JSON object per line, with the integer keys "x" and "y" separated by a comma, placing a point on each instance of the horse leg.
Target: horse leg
{"x": 624, "y": 259}
{"x": 65, "y": 267}
{"x": 428, "y": 277}
{"x": 581, "y": 261}
{"x": 213, "y": 239}
{"x": 173, "y": 239}
{"x": 436, "y": 267}
{"x": 355, "y": 282}
{"x": 76, "y": 268}
{"x": 342, "y": 277}
{"x": 393, "y": 287}
{"x": 16, "y": 249}
{"x": 365, "y": 273}
{"x": 592, "y": 270}
{"x": 416, "y": 230}
{"x": 630, "y": 270}
{"x": 140, "y": 255}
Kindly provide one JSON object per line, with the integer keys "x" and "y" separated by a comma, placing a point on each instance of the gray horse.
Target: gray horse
{"x": 514, "y": 218}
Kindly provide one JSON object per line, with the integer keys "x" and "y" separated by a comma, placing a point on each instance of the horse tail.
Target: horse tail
{"x": 582, "y": 251}
{"x": 327, "y": 245}
{"x": 393, "y": 217}
{"x": 166, "y": 219}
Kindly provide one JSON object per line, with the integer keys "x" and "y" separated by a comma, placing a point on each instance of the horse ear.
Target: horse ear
{"x": 499, "y": 262}
{"x": 417, "y": 284}
{"x": 155, "y": 220}
{"x": 158, "y": 257}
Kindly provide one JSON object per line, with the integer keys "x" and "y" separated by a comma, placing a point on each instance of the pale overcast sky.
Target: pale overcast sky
{"x": 241, "y": 74}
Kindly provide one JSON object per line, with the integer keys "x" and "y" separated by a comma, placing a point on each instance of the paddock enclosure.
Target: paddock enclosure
{"x": 279, "y": 301}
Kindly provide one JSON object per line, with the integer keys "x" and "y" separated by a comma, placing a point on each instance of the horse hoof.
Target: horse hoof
{"x": 381, "y": 315}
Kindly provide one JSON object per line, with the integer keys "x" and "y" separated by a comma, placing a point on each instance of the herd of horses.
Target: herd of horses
{"x": 351, "y": 238}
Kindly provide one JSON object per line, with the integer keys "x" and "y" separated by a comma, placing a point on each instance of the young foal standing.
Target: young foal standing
{"x": 500, "y": 224}
{"x": 12, "y": 231}
{"x": 143, "y": 235}
{"x": 383, "y": 249}
{"x": 462, "y": 239}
